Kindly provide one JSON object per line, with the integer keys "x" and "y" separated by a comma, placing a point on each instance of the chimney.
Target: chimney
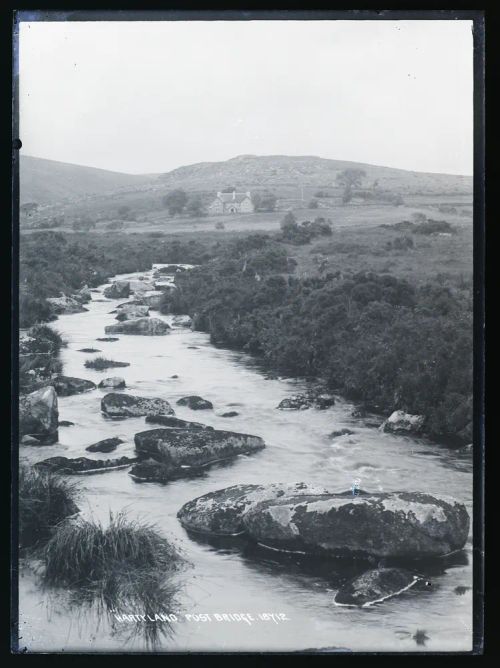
{"x": 234, "y": 194}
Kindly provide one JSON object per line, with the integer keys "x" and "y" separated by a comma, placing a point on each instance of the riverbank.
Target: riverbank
{"x": 298, "y": 447}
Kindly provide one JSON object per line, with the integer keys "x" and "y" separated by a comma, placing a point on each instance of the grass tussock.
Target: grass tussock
{"x": 100, "y": 363}
{"x": 122, "y": 568}
{"x": 45, "y": 500}
{"x": 99, "y": 553}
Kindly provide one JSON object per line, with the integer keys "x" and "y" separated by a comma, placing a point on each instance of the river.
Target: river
{"x": 224, "y": 579}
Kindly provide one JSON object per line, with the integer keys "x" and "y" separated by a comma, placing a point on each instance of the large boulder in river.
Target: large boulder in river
{"x": 191, "y": 448}
{"x": 175, "y": 423}
{"x": 398, "y": 524}
{"x": 140, "y": 286}
{"x": 83, "y": 464}
{"x": 107, "y": 445}
{"x": 132, "y": 312}
{"x": 143, "y": 326}
{"x": 65, "y": 304}
{"x": 153, "y": 300}
{"x": 400, "y": 422}
{"x": 115, "y": 383}
{"x": 118, "y": 405}
{"x": 195, "y": 403}
{"x": 182, "y": 321}
{"x": 66, "y": 386}
{"x": 295, "y": 402}
{"x": 39, "y": 415}
{"x": 375, "y": 586}
{"x": 221, "y": 513}
{"x": 117, "y": 290}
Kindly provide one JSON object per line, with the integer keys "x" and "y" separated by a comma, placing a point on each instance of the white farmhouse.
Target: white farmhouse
{"x": 231, "y": 203}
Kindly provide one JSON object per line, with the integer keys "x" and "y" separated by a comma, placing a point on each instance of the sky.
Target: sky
{"x": 147, "y": 97}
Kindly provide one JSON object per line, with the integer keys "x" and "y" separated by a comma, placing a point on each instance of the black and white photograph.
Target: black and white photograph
{"x": 245, "y": 290}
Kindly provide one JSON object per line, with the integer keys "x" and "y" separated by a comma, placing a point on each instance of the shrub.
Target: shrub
{"x": 313, "y": 204}
{"x": 100, "y": 363}
{"x": 45, "y": 499}
{"x": 115, "y": 225}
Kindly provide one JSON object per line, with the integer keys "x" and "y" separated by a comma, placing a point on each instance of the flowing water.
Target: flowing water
{"x": 224, "y": 579}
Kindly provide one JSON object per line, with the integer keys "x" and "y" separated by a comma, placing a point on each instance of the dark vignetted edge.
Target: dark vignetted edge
{"x": 190, "y": 12}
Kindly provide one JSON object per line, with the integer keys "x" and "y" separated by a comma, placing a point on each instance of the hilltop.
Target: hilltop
{"x": 48, "y": 181}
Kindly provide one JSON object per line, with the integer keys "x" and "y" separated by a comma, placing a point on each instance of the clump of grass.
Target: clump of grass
{"x": 45, "y": 500}
{"x": 84, "y": 553}
{"x": 121, "y": 568}
{"x": 100, "y": 363}
{"x": 46, "y": 333}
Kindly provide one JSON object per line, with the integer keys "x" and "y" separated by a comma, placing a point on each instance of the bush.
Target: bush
{"x": 115, "y": 225}
{"x": 100, "y": 363}
{"x": 45, "y": 499}
{"x": 313, "y": 204}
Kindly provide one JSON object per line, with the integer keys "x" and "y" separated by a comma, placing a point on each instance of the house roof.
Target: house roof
{"x": 228, "y": 197}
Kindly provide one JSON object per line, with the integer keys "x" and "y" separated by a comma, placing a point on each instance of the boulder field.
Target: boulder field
{"x": 142, "y": 326}
{"x": 174, "y": 451}
{"x": 39, "y": 415}
{"x": 118, "y": 405}
{"x": 399, "y": 524}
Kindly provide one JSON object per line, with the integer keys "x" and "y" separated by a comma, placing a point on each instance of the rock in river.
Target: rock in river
{"x": 193, "y": 448}
{"x": 132, "y": 312}
{"x": 182, "y": 321}
{"x": 65, "y": 304}
{"x": 115, "y": 382}
{"x": 39, "y": 415}
{"x": 398, "y": 524}
{"x": 116, "y": 405}
{"x": 400, "y": 422}
{"x": 117, "y": 290}
{"x": 143, "y": 326}
{"x": 295, "y": 402}
{"x": 195, "y": 403}
{"x": 374, "y": 586}
{"x": 175, "y": 423}
{"x": 107, "y": 445}
{"x": 83, "y": 464}
{"x": 221, "y": 513}
{"x": 66, "y": 386}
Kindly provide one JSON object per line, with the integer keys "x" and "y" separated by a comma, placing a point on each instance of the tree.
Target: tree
{"x": 195, "y": 207}
{"x": 175, "y": 201}
{"x": 350, "y": 178}
{"x": 313, "y": 204}
{"x": 265, "y": 201}
{"x": 231, "y": 189}
{"x": 289, "y": 222}
{"x": 125, "y": 212}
